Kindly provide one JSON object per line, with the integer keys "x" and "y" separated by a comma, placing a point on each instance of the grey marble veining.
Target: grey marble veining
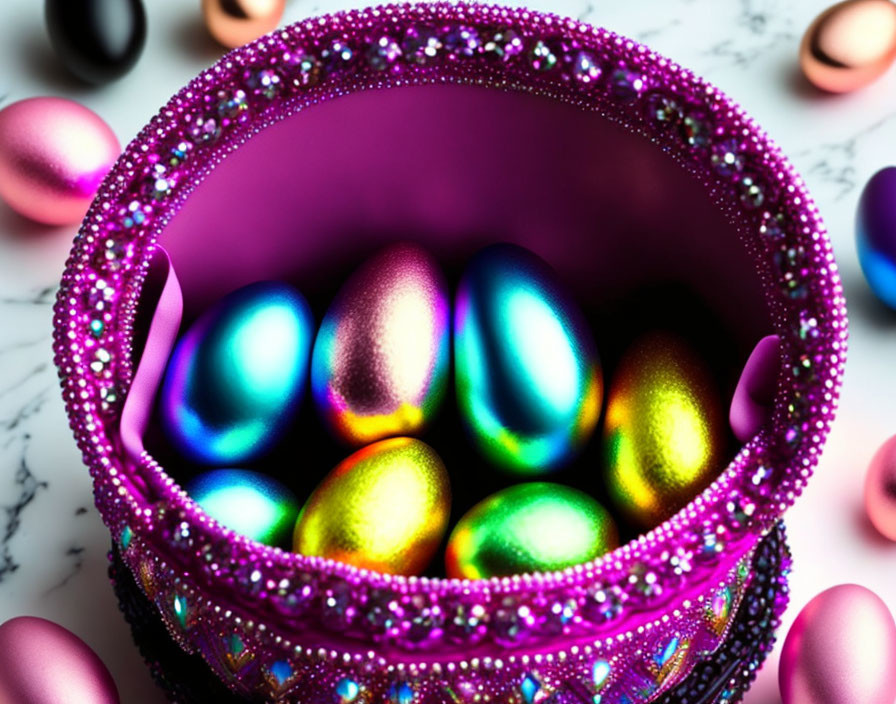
{"x": 52, "y": 544}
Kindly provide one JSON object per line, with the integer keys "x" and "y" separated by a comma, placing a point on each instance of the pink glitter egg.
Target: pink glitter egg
{"x": 840, "y": 650}
{"x": 43, "y": 663}
{"x": 53, "y": 155}
{"x": 880, "y": 489}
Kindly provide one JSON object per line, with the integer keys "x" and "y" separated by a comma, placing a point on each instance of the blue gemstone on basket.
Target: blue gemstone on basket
{"x": 347, "y": 690}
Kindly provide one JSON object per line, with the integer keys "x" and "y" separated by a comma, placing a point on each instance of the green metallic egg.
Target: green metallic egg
{"x": 664, "y": 429}
{"x": 249, "y": 503}
{"x": 529, "y": 383}
{"x": 532, "y": 527}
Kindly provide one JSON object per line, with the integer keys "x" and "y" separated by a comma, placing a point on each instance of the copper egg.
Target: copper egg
{"x": 237, "y": 22}
{"x": 849, "y": 45}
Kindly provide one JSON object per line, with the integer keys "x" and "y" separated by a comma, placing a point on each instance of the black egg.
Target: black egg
{"x": 97, "y": 40}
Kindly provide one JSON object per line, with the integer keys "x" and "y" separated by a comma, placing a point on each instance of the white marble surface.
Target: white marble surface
{"x": 52, "y": 544}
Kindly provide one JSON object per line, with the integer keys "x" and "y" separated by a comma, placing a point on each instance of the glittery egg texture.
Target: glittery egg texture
{"x": 380, "y": 361}
{"x": 384, "y": 508}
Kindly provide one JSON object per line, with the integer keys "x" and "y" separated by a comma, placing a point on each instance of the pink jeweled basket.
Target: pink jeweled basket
{"x": 454, "y": 125}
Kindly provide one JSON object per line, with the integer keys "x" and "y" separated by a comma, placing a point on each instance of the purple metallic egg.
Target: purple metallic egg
{"x": 380, "y": 361}
{"x": 876, "y": 234}
{"x": 43, "y": 663}
{"x": 53, "y": 155}
{"x": 840, "y": 650}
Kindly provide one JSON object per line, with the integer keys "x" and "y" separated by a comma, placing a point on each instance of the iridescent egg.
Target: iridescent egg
{"x": 532, "y": 527}
{"x": 252, "y": 504}
{"x": 664, "y": 429}
{"x": 380, "y": 361}
{"x": 44, "y": 663}
{"x": 237, "y": 22}
{"x": 876, "y": 234}
{"x": 384, "y": 508}
{"x": 529, "y": 382}
{"x": 849, "y": 45}
{"x": 841, "y": 649}
{"x": 880, "y": 490}
{"x": 54, "y": 153}
{"x": 237, "y": 376}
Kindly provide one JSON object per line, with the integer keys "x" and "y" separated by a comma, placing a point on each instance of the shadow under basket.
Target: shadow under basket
{"x": 660, "y": 204}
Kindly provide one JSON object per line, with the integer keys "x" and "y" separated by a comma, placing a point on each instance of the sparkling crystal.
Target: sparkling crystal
{"x": 292, "y": 597}
{"x": 751, "y": 193}
{"x": 462, "y": 41}
{"x": 181, "y": 609}
{"x": 807, "y": 328}
{"x": 133, "y": 215}
{"x": 179, "y": 153}
{"x": 559, "y": 614}
{"x": 425, "y": 619}
{"x": 467, "y": 622}
{"x": 603, "y": 603}
{"x": 101, "y": 357}
{"x": 265, "y": 82}
{"x": 382, "y": 612}
{"x": 383, "y": 53}
{"x": 713, "y": 545}
{"x": 772, "y": 226}
{"x": 664, "y": 110}
{"x": 109, "y": 397}
{"x": 336, "y": 608}
{"x": 530, "y": 688}
{"x": 99, "y": 295}
{"x": 791, "y": 263}
{"x": 694, "y": 131}
{"x": 337, "y": 56}
{"x": 585, "y": 68}
{"x": 303, "y": 70}
{"x": 280, "y": 676}
{"x": 127, "y": 535}
{"x": 347, "y": 691}
{"x": 204, "y": 130}
{"x": 513, "y": 622}
{"x": 627, "y": 85}
{"x": 400, "y": 693}
{"x": 542, "y": 57}
{"x": 234, "y": 104}
{"x": 600, "y": 672}
{"x": 420, "y": 45}
{"x": 645, "y": 581}
{"x": 503, "y": 45}
{"x": 726, "y": 157}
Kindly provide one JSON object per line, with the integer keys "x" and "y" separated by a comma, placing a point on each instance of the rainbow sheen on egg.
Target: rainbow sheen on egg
{"x": 380, "y": 361}
{"x": 664, "y": 429}
{"x": 531, "y": 527}
{"x": 529, "y": 382}
{"x": 236, "y": 378}
{"x": 251, "y": 504}
{"x": 383, "y": 508}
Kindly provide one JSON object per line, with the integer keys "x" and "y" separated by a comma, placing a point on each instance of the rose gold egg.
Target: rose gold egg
{"x": 841, "y": 649}
{"x": 43, "y": 663}
{"x": 880, "y": 489}
{"x": 849, "y": 45}
{"x": 237, "y": 22}
{"x": 53, "y": 155}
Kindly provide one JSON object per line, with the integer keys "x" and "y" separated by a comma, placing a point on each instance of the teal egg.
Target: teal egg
{"x": 236, "y": 378}
{"x": 249, "y": 503}
{"x": 529, "y": 382}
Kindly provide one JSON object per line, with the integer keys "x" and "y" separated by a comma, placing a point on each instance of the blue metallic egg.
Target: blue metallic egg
{"x": 251, "y": 504}
{"x": 876, "y": 234}
{"x": 237, "y": 376}
{"x": 529, "y": 381}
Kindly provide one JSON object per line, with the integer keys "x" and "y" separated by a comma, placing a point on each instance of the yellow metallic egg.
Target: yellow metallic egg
{"x": 664, "y": 431}
{"x": 383, "y": 508}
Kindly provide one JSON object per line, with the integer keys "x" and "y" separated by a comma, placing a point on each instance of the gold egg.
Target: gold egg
{"x": 383, "y": 508}
{"x": 237, "y": 22}
{"x": 664, "y": 431}
{"x": 849, "y": 45}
